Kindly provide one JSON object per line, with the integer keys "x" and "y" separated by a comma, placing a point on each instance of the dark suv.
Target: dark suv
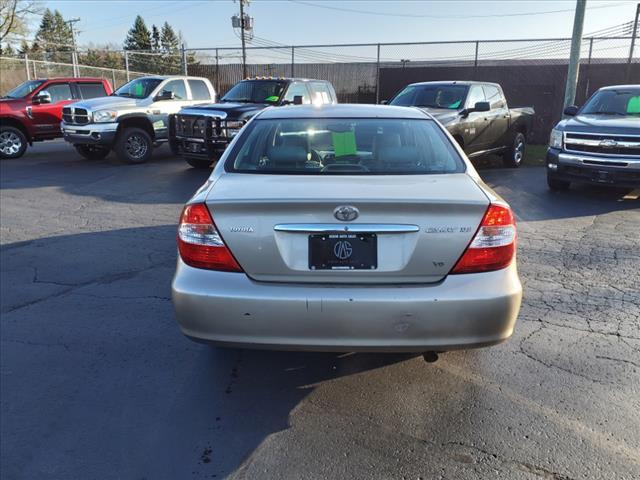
{"x": 598, "y": 143}
{"x": 201, "y": 133}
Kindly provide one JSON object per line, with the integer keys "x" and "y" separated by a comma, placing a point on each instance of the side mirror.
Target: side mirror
{"x": 482, "y": 107}
{"x": 42, "y": 97}
{"x": 297, "y": 99}
{"x": 571, "y": 111}
{"x": 166, "y": 95}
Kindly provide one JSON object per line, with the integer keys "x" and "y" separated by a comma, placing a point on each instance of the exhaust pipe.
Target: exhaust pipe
{"x": 430, "y": 357}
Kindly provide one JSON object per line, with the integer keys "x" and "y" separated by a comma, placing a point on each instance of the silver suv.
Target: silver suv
{"x": 133, "y": 119}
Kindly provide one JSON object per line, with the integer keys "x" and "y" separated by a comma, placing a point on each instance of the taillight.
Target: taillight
{"x": 199, "y": 243}
{"x": 494, "y": 244}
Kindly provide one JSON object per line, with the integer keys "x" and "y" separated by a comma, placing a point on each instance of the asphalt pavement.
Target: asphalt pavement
{"x": 97, "y": 382}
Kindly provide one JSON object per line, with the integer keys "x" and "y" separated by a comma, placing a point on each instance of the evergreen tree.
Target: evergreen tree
{"x": 8, "y": 50}
{"x": 139, "y": 38}
{"x": 53, "y": 37}
{"x": 24, "y": 48}
{"x": 171, "y": 48}
{"x": 155, "y": 38}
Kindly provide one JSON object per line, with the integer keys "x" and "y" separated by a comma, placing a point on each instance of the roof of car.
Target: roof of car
{"x": 616, "y": 87}
{"x": 70, "y": 79}
{"x": 456, "y": 82}
{"x": 287, "y": 79}
{"x": 343, "y": 110}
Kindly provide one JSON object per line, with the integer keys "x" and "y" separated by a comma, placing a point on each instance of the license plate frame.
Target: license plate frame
{"x": 343, "y": 251}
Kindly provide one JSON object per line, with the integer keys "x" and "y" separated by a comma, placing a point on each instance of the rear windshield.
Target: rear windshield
{"x": 256, "y": 91}
{"x": 450, "y": 97}
{"x": 344, "y": 146}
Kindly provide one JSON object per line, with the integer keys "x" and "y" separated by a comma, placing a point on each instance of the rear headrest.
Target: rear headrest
{"x": 287, "y": 155}
{"x": 386, "y": 140}
{"x": 393, "y": 155}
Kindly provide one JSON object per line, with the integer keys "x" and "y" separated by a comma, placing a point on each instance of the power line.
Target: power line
{"x": 415, "y": 15}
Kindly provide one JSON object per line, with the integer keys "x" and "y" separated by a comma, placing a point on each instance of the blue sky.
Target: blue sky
{"x": 206, "y": 23}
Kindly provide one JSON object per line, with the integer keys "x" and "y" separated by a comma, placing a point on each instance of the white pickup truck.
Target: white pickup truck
{"x": 134, "y": 118}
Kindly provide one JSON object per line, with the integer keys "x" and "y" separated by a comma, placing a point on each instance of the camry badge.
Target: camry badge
{"x": 346, "y": 213}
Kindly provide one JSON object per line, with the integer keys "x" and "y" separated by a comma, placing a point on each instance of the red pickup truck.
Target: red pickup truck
{"x": 32, "y": 111}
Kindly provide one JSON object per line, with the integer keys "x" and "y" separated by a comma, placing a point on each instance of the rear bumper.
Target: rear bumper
{"x": 462, "y": 311}
{"x": 90, "y": 134}
{"x": 614, "y": 171}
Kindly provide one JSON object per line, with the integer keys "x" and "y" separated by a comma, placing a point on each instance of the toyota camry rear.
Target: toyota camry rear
{"x": 346, "y": 228}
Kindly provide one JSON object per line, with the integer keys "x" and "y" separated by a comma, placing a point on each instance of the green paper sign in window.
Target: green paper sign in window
{"x": 633, "y": 106}
{"x": 272, "y": 98}
{"x": 344, "y": 143}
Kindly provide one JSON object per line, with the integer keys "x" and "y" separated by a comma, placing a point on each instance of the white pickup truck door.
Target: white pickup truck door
{"x": 160, "y": 110}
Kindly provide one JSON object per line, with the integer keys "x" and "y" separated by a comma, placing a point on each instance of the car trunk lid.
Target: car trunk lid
{"x": 410, "y": 228}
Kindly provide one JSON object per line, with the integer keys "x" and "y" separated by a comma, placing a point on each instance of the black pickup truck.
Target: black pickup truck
{"x": 201, "y": 133}
{"x": 476, "y": 114}
{"x": 598, "y": 143}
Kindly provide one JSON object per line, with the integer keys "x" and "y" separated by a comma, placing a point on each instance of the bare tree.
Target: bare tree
{"x": 14, "y": 16}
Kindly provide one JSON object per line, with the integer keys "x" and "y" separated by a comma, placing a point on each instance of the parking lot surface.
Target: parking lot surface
{"x": 98, "y": 382}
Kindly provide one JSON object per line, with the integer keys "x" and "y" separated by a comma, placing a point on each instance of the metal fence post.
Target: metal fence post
{"x": 588, "y": 81}
{"x": 26, "y": 65}
{"x": 113, "y": 78}
{"x": 35, "y": 73}
{"x": 475, "y": 62}
{"x": 74, "y": 61}
{"x": 292, "y": 59}
{"x": 217, "y": 73}
{"x": 184, "y": 61}
{"x": 126, "y": 63}
{"x": 378, "y": 76}
{"x": 633, "y": 43}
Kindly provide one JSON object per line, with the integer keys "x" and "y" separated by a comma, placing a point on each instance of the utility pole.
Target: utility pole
{"x": 244, "y": 49}
{"x": 633, "y": 43}
{"x": 245, "y": 24}
{"x": 70, "y": 22}
{"x": 574, "y": 56}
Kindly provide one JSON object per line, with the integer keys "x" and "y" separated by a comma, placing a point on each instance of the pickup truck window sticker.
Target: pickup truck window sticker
{"x": 633, "y": 106}
{"x": 344, "y": 143}
{"x": 272, "y": 98}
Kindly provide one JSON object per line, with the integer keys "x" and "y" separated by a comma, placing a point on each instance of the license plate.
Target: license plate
{"x": 601, "y": 176}
{"x": 193, "y": 147}
{"x": 343, "y": 251}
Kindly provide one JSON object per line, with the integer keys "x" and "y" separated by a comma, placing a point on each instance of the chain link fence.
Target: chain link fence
{"x": 531, "y": 72}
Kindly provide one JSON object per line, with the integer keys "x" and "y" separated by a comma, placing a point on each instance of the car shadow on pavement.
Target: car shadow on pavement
{"x": 100, "y": 382}
{"x": 165, "y": 179}
{"x": 526, "y": 191}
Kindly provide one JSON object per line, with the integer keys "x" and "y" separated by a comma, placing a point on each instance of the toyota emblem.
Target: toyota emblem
{"x": 346, "y": 213}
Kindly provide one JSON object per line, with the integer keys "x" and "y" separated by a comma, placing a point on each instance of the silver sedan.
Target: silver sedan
{"x": 346, "y": 228}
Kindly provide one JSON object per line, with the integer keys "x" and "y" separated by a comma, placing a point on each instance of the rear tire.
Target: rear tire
{"x": 13, "y": 142}
{"x": 134, "y": 145}
{"x": 92, "y": 152}
{"x": 556, "y": 185}
{"x": 515, "y": 154}
{"x": 200, "y": 163}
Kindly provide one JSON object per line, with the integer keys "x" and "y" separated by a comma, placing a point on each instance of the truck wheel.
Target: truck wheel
{"x": 556, "y": 185}
{"x": 134, "y": 145}
{"x": 199, "y": 163}
{"x": 13, "y": 143}
{"x": 514, "y": 155}
{"x": 92, "y": 152}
